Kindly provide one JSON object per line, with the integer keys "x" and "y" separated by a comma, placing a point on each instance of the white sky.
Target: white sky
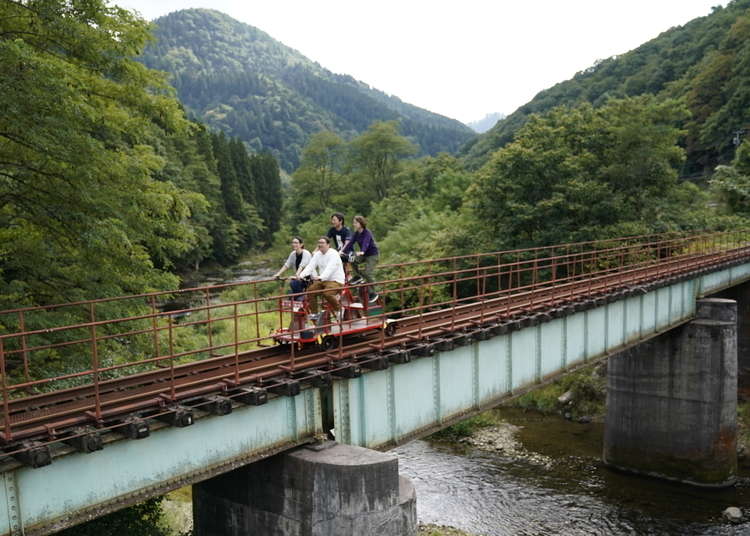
{"x": 459, "y": 58}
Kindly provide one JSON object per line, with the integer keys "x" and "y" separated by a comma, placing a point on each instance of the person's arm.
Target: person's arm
{"x": 349, "y": 244}
{"x": 346, "y": 236}
{"x": 284, "y": 268}
{"x": 364, "y": 243}
{"x": 309, "y": 269}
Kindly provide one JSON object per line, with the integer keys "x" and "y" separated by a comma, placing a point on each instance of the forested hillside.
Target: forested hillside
{"x": 240, "y": 80}
{"x": 706, "y": 62}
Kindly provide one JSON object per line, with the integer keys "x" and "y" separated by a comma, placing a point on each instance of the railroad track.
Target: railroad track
{"x": 45, "y": 418}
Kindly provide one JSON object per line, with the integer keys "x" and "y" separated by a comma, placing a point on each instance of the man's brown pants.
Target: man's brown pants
{"x": 331, "y": 289}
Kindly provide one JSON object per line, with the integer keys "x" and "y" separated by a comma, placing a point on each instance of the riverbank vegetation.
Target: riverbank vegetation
{"x": 465, "y": 427}
{"x": 580, "y": 394}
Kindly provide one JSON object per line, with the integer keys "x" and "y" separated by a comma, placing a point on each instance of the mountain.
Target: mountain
{"x": 487, "y": 122}
{"x": 237, "y": 78}
{"x": 706, "y": 62}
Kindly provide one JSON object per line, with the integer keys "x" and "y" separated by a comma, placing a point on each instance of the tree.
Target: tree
{"x": 732, "y": 183}
{"x": 318, "y": 180}
{"x": 267, "y": 176}
{"x": 375, "y": 158}
{"x": 142, "y": 519}
{"x": 82, "y": 212}
{"x": 584, "y": 173}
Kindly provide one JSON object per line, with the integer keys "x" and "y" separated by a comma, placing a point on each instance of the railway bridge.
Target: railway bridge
{"x": 108, "y": 402}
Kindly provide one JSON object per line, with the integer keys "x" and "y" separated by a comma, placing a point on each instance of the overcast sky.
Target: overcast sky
{"x": 459, "y": 58}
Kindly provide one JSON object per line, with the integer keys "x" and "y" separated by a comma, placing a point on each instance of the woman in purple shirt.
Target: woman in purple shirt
{"x": 366, "y": 258}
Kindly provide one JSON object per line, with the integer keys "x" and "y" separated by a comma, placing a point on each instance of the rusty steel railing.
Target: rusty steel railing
{"x": 91, "y": 354}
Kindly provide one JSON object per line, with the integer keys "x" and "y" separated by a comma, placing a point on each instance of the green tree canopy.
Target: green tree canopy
{"x": 375, "y": 158}
{"x": 582, "y": 173}
{"x": 318, "y": 180}
{"x": 77, "y": 176}
{"x": 732, "y": 183}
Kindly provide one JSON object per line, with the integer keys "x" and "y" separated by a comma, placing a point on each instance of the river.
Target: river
{"x": 557, "y": 486}
{"x": 242, "y": 272}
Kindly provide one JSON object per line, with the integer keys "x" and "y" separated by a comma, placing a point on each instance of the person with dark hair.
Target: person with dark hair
{"x": 298, "y": 259}
{"x": 339, "y": 233}
{"x": 327, "y": 273}
{"x": 366, "y": 258}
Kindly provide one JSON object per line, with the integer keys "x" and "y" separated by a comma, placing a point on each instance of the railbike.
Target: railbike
{"x": 358, "y": 316}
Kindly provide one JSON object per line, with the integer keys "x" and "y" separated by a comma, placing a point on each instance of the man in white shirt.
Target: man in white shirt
{"x": 327, "y": 272}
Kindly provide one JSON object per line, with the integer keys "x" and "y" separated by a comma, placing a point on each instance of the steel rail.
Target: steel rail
{"x": 207, "y": 376}
{"x": 650, "y": 238}
{"x": 603, "y": 286}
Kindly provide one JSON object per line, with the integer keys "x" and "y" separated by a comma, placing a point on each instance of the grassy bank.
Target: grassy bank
{"x": 466, "y": 427}
{"x": 583, "y": 394}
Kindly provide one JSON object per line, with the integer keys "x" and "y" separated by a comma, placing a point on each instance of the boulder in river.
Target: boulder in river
{"x": 732, "y": 514}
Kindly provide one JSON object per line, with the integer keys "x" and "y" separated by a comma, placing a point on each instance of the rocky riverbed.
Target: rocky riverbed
{"x": 440, "y": 530}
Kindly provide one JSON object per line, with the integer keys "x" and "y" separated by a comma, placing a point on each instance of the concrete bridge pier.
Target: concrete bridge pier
{"x": 672, "y": 401}
{"x": 320, "y": 490}
{"x": 741, "y": 294}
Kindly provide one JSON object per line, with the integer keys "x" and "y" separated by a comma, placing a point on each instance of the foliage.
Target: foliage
{"x": 464, "y": 428}
{"x": 375, "y": 158}
{"x": 706, "y": 61}
{"x": 349, "y": 176}
{"x": 586, "y": 385}
{"x": 240, "y": 80}
{"x": 143, "y": 519}
{"x": 585, "y": 173}
{"x": 318, "y": 181}
{"x": 107, "y": 188}
{"x": 731, "y": 183}
{"x": 77, "y": 177}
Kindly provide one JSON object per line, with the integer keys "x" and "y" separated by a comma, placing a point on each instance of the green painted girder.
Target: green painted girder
{"x": 77, "y": 486}
{"x": 388, "y": 407}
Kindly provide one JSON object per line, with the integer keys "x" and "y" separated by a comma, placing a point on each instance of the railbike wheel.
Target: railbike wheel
{"x": 329, "y": 342}
{"x": 390, "y": 329}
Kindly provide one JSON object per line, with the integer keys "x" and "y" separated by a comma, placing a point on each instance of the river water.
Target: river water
{"x": 560, "y": 488}
{"x": 239, "y": 273}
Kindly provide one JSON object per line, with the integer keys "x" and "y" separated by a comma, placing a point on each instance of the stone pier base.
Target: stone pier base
{"x": 741, "y": 294}
{"x": 322, "y": 490}
{"x": 672, "y": 401}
